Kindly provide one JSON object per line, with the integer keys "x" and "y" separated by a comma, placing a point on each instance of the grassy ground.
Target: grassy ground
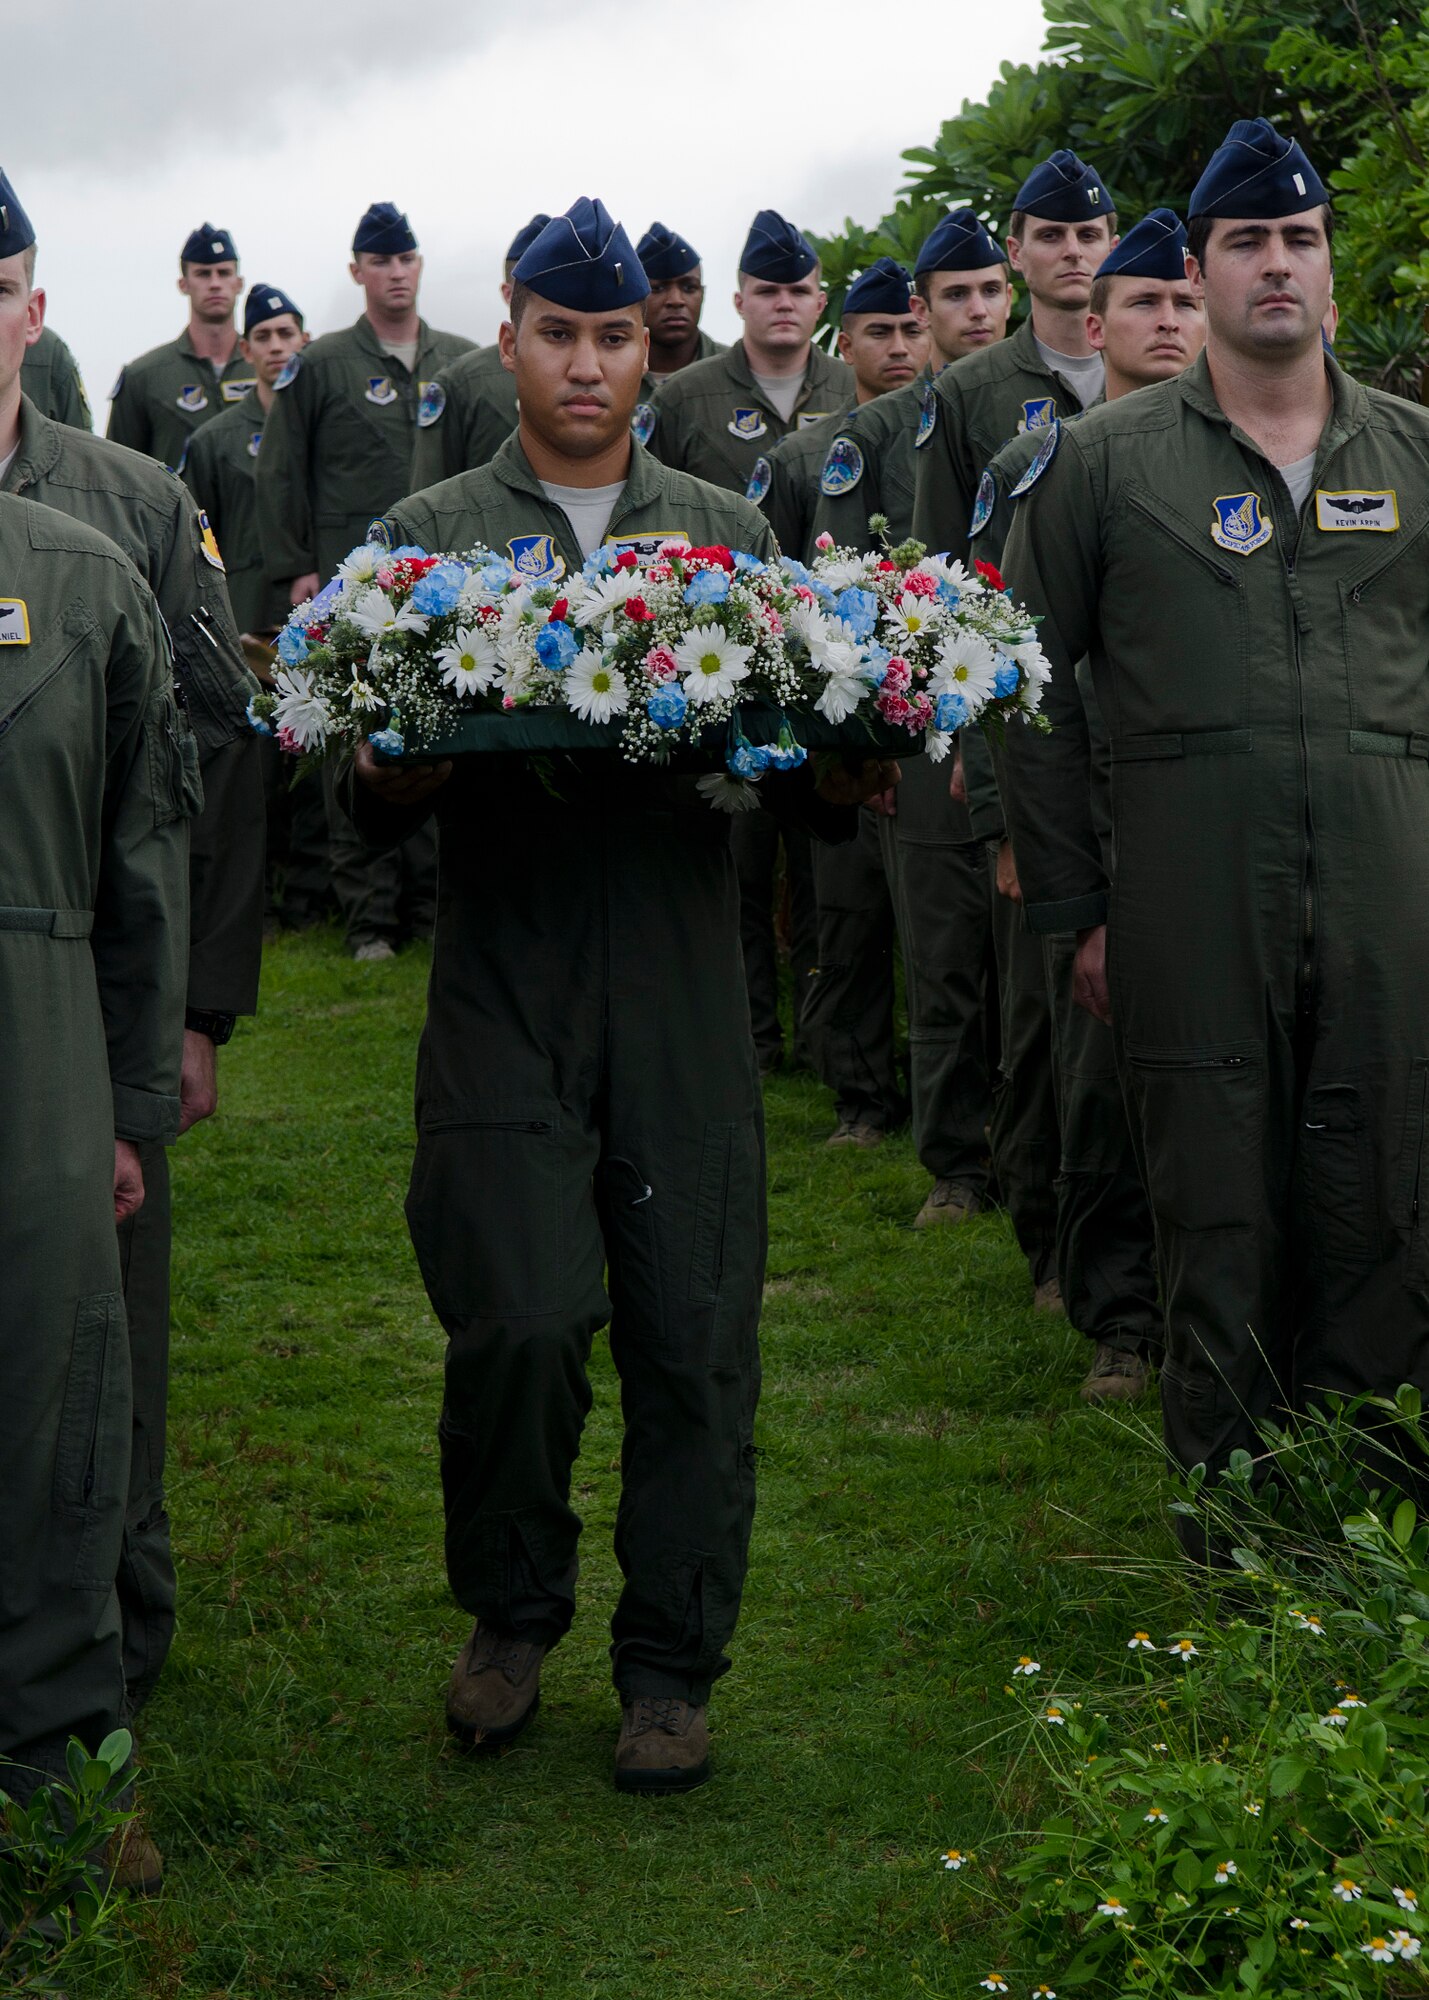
{"x": 929, "y": 1480}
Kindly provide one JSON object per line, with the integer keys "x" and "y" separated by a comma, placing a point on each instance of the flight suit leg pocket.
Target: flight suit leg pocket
{"x": 630, "y": 1216}
{"x": 486, "y": 1209}
{"x": 1339, "y": 1177}
{"x": 1202, "y": 1119}
{"x": 1411, "y": 1180}
{"x": 175, "y": 783}
{"x": 727, "y": 1251}
{"x": 91, "y": 1473}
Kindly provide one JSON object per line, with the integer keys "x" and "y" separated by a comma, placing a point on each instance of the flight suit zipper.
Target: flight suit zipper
{"x": 1308, "y": 940}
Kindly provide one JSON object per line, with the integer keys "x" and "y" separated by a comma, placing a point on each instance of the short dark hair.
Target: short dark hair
{"x": 1019, "y": 218}
{"x": 1198, "y": 232}
{"x": 28, "y": 254}
{"x": 520, "y": 299}
{"x": 923, "y": 282}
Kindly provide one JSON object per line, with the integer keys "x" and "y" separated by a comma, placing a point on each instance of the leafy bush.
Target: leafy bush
{"x": 55, "y": 1896}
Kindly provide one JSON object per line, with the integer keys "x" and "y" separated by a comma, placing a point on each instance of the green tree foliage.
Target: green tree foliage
{"x": 1147, "y": 88}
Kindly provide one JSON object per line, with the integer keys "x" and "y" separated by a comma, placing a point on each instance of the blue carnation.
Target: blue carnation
{"x": 556, "y": 646}
{"x": 707, "y": 586}
{"x": 495, "y": 576}
{"x": 951, "y": 712}
{"x": 796, "y": 571}
{"x": 875, "y": 664}
{"x": 666, "y": 707}
{"x": 405, "y": 554}
{"x": 257, "y": 722}
{"x": 292, "y": 645}
{"x": 748, "y": 760}
{"x": 387, "y": 742}
{"x": 599, "y": 562}
{"x": 437, "y": 592}
{"x": 859, "y": 611}
{"x": 948, "y": 594}
{"x": 743, "y": 561}
{"x": 787, "y": 754}
{"x": 1008, "y": 677}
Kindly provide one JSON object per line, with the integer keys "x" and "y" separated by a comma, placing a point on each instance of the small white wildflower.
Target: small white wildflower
{"x": 1336, "y": 1719}
{"x": 1183, "y": 1650}
{"x": 1026, "y": 1665}
{"x": 1112, "y": 1907}
{"x": 1252, "y": 1806}
{"x": 1405, "y": 1943}
{"x": 1140, "y": 1642}
{"x": 1224, "y": 1873}
{"x": 955, "y": 1859}
{"x": 1346, "y": 1890}
{"x": 1309, "y": 1621}
{"x": 1157, "y": 1818}
{"x": 1407, "y": 1899}
{"x": 1380, "y": 1950}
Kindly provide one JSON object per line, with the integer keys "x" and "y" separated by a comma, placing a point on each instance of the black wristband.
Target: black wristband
{"x": 218, "y": 1027}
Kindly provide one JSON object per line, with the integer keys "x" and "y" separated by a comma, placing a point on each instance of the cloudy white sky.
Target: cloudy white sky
{"x": 286, "y": 118}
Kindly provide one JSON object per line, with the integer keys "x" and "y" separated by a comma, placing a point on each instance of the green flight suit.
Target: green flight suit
{"x": 587, "y": 1100}
{"x": 337, "y": 451}
{"x": 153, "y": 519}
{"x": 50, "y": 377}
{"x": 99, "y": 780}
{"x": 1262, "y": 680}
{"x": 1105, "y": 1248}
{"x": 884, "y": 431}
{"x": 162, "y": 398}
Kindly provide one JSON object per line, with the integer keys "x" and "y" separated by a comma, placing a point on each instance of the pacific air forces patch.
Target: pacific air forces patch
{"x": 288, "y": 372}
{"x": 379, "y": 390}
{"x": 642, "y": 424}
{"x": 1356, "y": 510}
{"x": 535, "y": 558}
{"x": 927, "y": 415}
{"x": 434, "y": 401}
{"x": 1238, "y": 523}
{"x": 747, "y": 424}
{"x": 1046, "y": 452}
{"x": 760, "y": 481}
{"x": 843, "y": 468}
{"x": 983, "y": 505}
{"x": 208, "y": 544}
{"x": 1038, "y": 413}
{"x": 191, "y": 398}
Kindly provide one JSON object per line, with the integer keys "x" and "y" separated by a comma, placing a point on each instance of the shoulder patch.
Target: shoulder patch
{"x": 927, "y": 415}
{"x": 208, "y": 544}
{"x": 378, "y": 533}
{"x": 118, "y": 385}
{"x": 434, "y": 401}
{"x": 760, "y": 481}
{"x": 984, "y": 504}
{"x": 1046, "y": 452}
{"x": 642, "y": 424}
{"x": 843, "y": 468}
{"x": 289, "y": 371}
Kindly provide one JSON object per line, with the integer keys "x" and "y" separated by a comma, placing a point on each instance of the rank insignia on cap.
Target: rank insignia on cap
{"x": 14, "y": 622}
{"x": 983, "y": 505}
{"x": 434, "y": 401}
{"x": 237, "y": 387}
{"x": 535, "y": 558}
{"x": 760, "y": 481}
{"x": 255, "y": 443}
{"x": 642, "y": 424}
{"x": 379, "y": 390}
{"x": 927, "y": 415}
{"x": 1357, "y": 511}
{"x": 208, "y": 543}
{"x": 288, "y": 372}
{"x": 1238, "y": 524}
{"x": 843, "y": 468}
{"x": 191, "y": 398}
{"x": 1038, "y": 414}
{"x": 747, "y": 424}
{"x": 1046, "y": 452}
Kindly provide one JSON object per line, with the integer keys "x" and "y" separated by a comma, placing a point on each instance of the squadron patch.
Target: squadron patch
{"x": 434, "y": 401}
{"x": 255, "y": 443}
{"x": 535, "y": 558}
{"x": 1238, "y": 524}
{"x": 379, "y": 390}
{"x": 1038, "y": 413}
{"x": 760, "y": 480}
{"x": 192, "y": 398}
{"x": 747, "y": 424}
{"x": 927, "y": 416}
{"x": 378, "y": 534}
{"x": 237, "y": 387}
{"x": 843, "y": 468}
{"x": 649, "y": 545}
{"x": 1046, "y": 452}
{"x": 289, "y": 371}
{"x": 984, "y": 504}
{"x": 208, "y": 544}
{"x": 642, "y": 424}
{"x": 14, "y": 622}
{"x": 1357, "y": 511}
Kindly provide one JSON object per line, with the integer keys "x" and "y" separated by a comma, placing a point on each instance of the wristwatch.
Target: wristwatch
{"x": 201, "y": 1021}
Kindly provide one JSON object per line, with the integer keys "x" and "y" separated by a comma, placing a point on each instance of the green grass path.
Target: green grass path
{"x": 928, "y": 1480}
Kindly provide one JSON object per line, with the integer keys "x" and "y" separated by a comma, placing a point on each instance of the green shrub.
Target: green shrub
{"x": 55, "y": 1898}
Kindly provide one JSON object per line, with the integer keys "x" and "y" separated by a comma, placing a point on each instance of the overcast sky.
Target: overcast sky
{"x": 281, "y": 122}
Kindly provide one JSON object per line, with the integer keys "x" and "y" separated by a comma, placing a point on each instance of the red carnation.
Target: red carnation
{"x": 885, "y": 565}
{"x": 316, "y": 631}
{"x": 558, "y": 610}
{"x": 990, "y": 574}
{"x": 716, "y": 556}
{"x": 639, "y": 610}
{"x": 416, "y": 566}
{"x": 627, "y": 559}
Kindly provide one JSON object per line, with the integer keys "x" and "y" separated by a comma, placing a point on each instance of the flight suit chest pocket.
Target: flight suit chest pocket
{"x": 175, "y": 783}
{"x": 1178, "y": 604}
{"x": 486, "y": 1209}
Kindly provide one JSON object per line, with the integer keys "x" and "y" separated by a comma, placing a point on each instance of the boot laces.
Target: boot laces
{"x": 659, "y": 1711}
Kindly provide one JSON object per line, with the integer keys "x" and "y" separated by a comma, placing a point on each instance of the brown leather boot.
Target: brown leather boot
{"x": 132, "y": 1860}
{"x": 856, "y": 1132}
{"x": 1047, "y": 1298}
{"x": 664, "y": 1745}
{"x": 1117, "y": 1375}
{"x": 948, "y": 1202}
{"x": 495, "y": 1688}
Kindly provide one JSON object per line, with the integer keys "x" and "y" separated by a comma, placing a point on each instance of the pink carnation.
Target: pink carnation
{"x": 385, "y": 579}
{"x": 922, "y": 712}
{"x": 896, "y": 678}
{"x": 661, "y": 663}
{"x": 772, "y": 619}
{"x": 287, "y": 741}
{"x": 803, "y": 593}
{"x": 918, "y": 583}
{"x": 824, "y": 541}
{"x": 891, "y": 706}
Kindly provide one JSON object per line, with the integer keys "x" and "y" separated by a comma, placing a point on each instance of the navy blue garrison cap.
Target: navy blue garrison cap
{"x": 267, "y": 302}
{"x": 384, "y": 230}
{"x": 885, "y": 287}
{"x": 1256, "y": 172}
{"x": 1064, "y": 189}
{"x": 776, "y": 251}
{"x": 961, "y": 242}
{"x": 207, "y": 245}
{"x": 585, "y": 261}
{"x": 523, "y": 239}
{"x": 1156, "y": 248}
{"x": 666, "y": 255}
{"x": 15, "y": 231}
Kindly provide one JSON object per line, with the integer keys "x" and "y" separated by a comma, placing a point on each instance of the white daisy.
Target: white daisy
{"x": 967, "y": 666}
{"x": 1140, "y": 1642}
{"x": 1407, "y": 1899}
{"x": 839, "y": 575}
{"x": 955, "y": 1859}
{"x": 1026, "y": 1665}
{"x": 728, "y": 794}
{"x": 840, "y": 696}
{"x": 1112, "y": 1907}
{"x": 1224, "y": 1873}
{"x": 373, "y": 611}
{"x": 602, "y": 596}
{"x": 1346, "y": 1890}
{"x": 470, "y": 663}
{"x": 301, "y": 710}
{"x": 911, "y": 618}
{"x": 1405, "y": 1943}
{"x": 1336, "y": 1719}
{"x": 1156, "y": 1817}
{"x": 937, "y": 744}
{"x": 362, "y": 564}
{"x": 1380, "y": 1950}
{"x": 713, "y": 665}
{"x": 595, "y": 689}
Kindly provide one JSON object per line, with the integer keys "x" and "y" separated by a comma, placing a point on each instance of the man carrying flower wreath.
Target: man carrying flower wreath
{"x": 587, "y": 1096}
